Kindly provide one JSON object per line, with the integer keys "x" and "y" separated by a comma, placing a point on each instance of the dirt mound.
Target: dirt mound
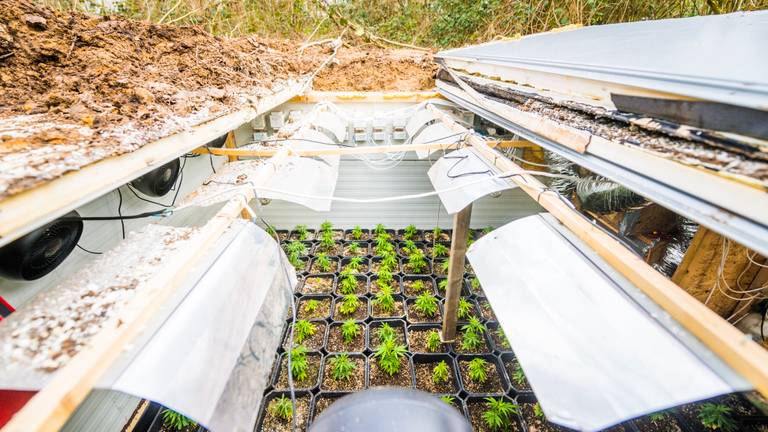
{"x": 378, "y": 69}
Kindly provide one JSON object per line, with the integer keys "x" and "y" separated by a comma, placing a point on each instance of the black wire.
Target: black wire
{"x": 86, "y": 250}
{"x": 762, "y": 322}
{"x": 176, "y": 187}
{"x": 121, "y": 217}
{"x": 460, "y": 159}
{"x": 120, "y": 212}
{"x": 210, "y": 159}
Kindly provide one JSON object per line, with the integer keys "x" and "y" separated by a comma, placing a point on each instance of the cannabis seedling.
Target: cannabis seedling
{"x": 303, "y": 330}
{"x": 409, "y": 247}
{"x": 357, "y": 232}
{"x": 299, "y": 364}
{"x": 379, "y": 229}
{"x": 388, "y": 261}
{"x": 383, "y": 244}
{"x": 282, "y": 408}
{"x": 439, "y": 250}
{"x": 342, "y": 367}
{"x": 323, "y": 262}
{"x": 349, "y": 305}
{"x": 353, "y": 249}
{"x": 355, "y": 263}
{"x": 717, "y": 417}
{"x": 348, "y": 283}
{"x": 409, "y": 233}
{"x": 518, "y": 376}
{"x": 433, "y": 341}
{"x": 448, "y": 399}
{"x": 417, "y": 261}
{"x": 311, "y": 306}
{"x": 436, "y": 233}
{"x": 502, "y": 338}
{"x": 326, "y": 241}
{"x": 474, "y": 326}
{"x": 418, "y": 285}
{"x": 441, "y": 372}
{"x": 471, "y": 341}
{"x": 384, "y": 299}
{"x": 497, "y": 413}
{"x": 389, "y": 354}
{"x": 538, "y": 412}
{"x": 349, "y": 331}
{"x": 386, "y": 332}
{"x": 464, "y": 309}
{"x": 442, "y": 285}
{"x": 174, "y": 420}
{"x": 426, "y": 304}
{"x": 445, "y": 266}
{"x": 658, "y": 416}
{"x": 301, "y": 231}
{"x": 326, "y": 227}
{"x": 478, "y": 370}
{"x": 474, "y": 283}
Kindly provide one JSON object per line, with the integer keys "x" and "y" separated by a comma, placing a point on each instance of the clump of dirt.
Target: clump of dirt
{"x": 378, "y": 69}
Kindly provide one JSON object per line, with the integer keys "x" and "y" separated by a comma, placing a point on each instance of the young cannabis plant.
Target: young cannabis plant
{"x": 348, "y": 283}
{"x": 409, "y": 233}
{"x": 357, "y": 232}
{"x": 474, "y": 326}
{"x": 441, "y": 373}
{"x": 323, "y": 262}
{"x": 538, "y": 412}
{"x": 386, "y": 332}
{"x": 389, "y": 354}
{"x": 442, "y": 285}
{"x": 342, "y": 367}
{"x": 518, "y": 376}
{"x": 353, "y": 249}
{"x": 379, "y": 229}
{"x": 433, "y": 341}
{"x": 658, "y": 416}
{"x": 383, "y": 244}
{"x": 478, "y": 370}
{"x": 282, "y": 408}
{"x": 301, "y": 232}
{"x": 349, "y": 331}
{"x": 296, "y": 247}
{"x": 326, "y": 227}
{"x": 384, "y": 299}
{"x": 355, "y": 263}
{"x": 303, "y": 330}
{"x": 471, "y": 341}
{"x": 448, "y": 399}
{"x": 409, "y": 247}
{"x": 311, "y": 306}
{"x": 349, "y": 305}
{"x": 417, "y": 261}
{"x": 295, "y": 260}
{"x": 299, "y": 363}
{"x": 388, "y": 261}
{"x": 474, "y": 283}
{"x": 436, "y": 233}
{"x": 464, "y": 309}
{"x": 497, "y": 413}
{"x": 426, "y": 304}
{"x": 439, "y": 250}
{"x": 384, "y": 277}
{"x": 504, "y": 342}
{"x": 717, "y": 417}
{"x": 326, "y": 241}
{"x": 174, "y": 420}
{"x": 445, "y": 266}
{"x": 418, "y": 285}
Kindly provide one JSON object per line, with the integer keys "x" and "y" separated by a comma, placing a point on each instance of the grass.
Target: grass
{"x": 429, "y": 23}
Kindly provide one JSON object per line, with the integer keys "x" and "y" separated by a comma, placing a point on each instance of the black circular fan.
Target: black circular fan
{"x": 159, "y": 181}
{"x": 39, "y": 252}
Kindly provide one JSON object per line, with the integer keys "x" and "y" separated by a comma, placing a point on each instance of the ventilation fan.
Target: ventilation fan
{"x": 159, "y": 181}
{"x": 39, "y": 252}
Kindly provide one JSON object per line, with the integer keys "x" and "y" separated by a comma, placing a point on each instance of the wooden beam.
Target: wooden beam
{"x": 50, "y": 408}
{"x": 231, "y": 144}
{"x": 455, "y": 273}
{"x": 314, "y": 96}
{"x": 354, "y": 150}
{"x": 22, "y": 213}
{"x": 739, "y": 352}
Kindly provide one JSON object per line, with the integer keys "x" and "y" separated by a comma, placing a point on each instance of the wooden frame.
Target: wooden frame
{"x": 738, "y": 351}
{"x": 314, "y": 96}
{"x": 22, "y": 213}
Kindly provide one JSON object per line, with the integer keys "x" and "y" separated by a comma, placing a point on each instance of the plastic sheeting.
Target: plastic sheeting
{"x": 434, "y": 133}
{"x": 418, "y": 121}
{"x": 594, "y": 349}
{"x": 464, "y": 167}
{"x": 210, "y": 358}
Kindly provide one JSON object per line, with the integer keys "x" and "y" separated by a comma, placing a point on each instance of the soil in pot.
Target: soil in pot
{"x": 376, "y": 266}
{"x": 473, "y": 284}
{"x": 314, "y": 343}
{"x": 313, "y": 361}
{"x": 334, "y": 250}
{"x": 318, "y": 310}
{"x": 273, "y": 423}
{"x": 317, "y": 285}
{"x": 360, "y": 289}
{"x": 191, "y": 428}
{"x": 398, "y": 312}
{"x": 518, "y": 382}
{"x": 375, "y": 340}
{"x": 476, "y": 409}
{"x": 349, "y": 236}
{"x": 426, "y": 286}
{"x": 295, "y": 236}
{"x": 355, "y": 382}
{"x": 444, "y": 236}
{"x": 315, "y": 268}
{"x": 540, "y": 423}
{"x": 418, "y": 341}
{"x": 407, "y": 269}
{"x": 690, "y": 413}
{"x": 360, "y": 314}
{"x": 437, "y": 266}
{"x": 457, "y": 346}
{"x": 363, "y": 268}
{"x": 322, "y": 402}
{"x": 405, "y": 253}
{"x": 336, "y": 341}
{"x": 486, "y": 311}
{"x": 491, "y": 385}
{"x": 380, "y": 378}
{"x": 394, "y": 285}
{"x": 665, "y": 424}
{"x": 337, "y": 235}
{"x": 361, "y": 250}
{"x": 416, "y": 316}
{"x": 499, "y": 338}
{"x": 425, "y": 382}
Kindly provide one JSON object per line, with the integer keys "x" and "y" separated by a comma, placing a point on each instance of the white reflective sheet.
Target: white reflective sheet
{"x": 464, "y": 167}
{"x": 331, "y": 122}
{"x": 593, "y": 356}
{"x": 304, "y": 181}
{"x": 418, "y": 120}
{"x": 434, "y": 133}
{"x": 211, "y": 357}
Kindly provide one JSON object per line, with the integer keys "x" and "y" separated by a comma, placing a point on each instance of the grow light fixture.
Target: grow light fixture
{"x": 588, "y": 340}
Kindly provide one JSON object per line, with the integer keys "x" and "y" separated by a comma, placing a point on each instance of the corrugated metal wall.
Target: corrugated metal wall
{"x": 102, "y": 411}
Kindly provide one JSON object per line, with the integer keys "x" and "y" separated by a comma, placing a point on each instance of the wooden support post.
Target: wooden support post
{"x": 230, "y": 143}
{"x": 455, "y": 272}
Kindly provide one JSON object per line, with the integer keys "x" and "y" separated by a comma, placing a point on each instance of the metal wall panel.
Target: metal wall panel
{"x": 102, "y": 411}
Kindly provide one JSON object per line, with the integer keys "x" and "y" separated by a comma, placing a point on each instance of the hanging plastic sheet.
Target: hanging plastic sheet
{"x": 434, "y": 133}
{"x": 332, "y": 123}
{"x": 418, "y": 121}
{"x": 464, "y": 167}
{"x": 595, "y": 350}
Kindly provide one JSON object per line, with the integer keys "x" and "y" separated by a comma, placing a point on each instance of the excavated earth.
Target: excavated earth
{"x": 77, "y": 88}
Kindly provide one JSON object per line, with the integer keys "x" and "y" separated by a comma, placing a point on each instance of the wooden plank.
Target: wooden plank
{"x": 739, "y": 352}
{"x": 455, "y": 273}
{"x": 699, "y": 272}
{"x": 50, "y": 408}
{"x": 31, "y": 209}
{"x": 314, "y": 96}
{"x": 231, "y": 143}
{"x": 355, "y": 150}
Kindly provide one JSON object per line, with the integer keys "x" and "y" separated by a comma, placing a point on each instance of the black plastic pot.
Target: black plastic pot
{"x": 491, "y": 359}
{"x": 408, "y": 365}
{"x": 428, "y": 236}
{"x": 322, "y": 395}
{"x": 458, "y": 403}
{"x": 404, "y": 270}
{"x": 419, "y": 235}
{"x": 276, "y": 394}
{"x": 365, "y": 248}
{"x": 425, "y": 278}
{"x": 426, "y": 327}
{"x": 433, "y": 359}
{"x": 303, "y": 281}
{"x": 486, "y": 338}
{"x": 436, "y": 263}
{"x": 398, "y": 285}
{"x": 317, "y": 322}
{"x": 283, "y": 235}
{"x": 276, "y": 373}
{"x": 478, "y": 402}
{"x": 338, "y": 235}
{"x": 348, "y": 235}
{"x": 306, "y": 297}
{"x": 366, "y": 263}
{"x": 521, "y": 392}
{"x": 493, "y": 327}
{"x": 411, "y": 313}
{"x": 312, "y": 268}
{"x": 468, "y": 288}
{"x": 338, "y": 251}
{"x": 336, "y": 324}
{"x": 363, "y": 306}
{"x": 361, "y": 292}
{"x": 485, "y": 316}
{"x": 351, "y": 356}
{"x": 398, "y": 299}
{"x": 294, "y": 235}
{"x": 377, "y": 260}
{"x": 371, "y": 344}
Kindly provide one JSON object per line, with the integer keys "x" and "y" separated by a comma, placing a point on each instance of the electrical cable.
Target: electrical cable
{"x": 176, "y": 187}
{"x": 89, "y": 251}
{"x": 165, "y": 212}
{"x": 119, "y": 212}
